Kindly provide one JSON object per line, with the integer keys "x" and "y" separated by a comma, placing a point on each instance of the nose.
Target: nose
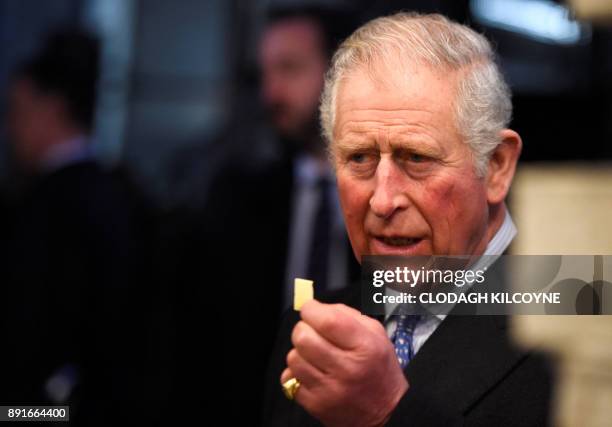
{"x": 389, "y": 194}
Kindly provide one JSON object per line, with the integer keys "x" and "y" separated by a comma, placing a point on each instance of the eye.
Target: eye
{"x": 415, "y": 163}
{"x": 361, "y": 164}
{"x": 357, "y": 157}
{"x": 417, "y": 158}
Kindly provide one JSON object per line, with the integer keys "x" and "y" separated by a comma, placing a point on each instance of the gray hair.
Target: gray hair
{"x": 483, "y": 106}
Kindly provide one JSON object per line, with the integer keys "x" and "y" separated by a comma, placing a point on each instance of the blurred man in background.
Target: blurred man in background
{"x": 52, "y": 105}
{"x": 289, "y": 200}
{"x": 270, "y": 217}
{"x": 294, "y": 53}
{"x": 71, "y": 247}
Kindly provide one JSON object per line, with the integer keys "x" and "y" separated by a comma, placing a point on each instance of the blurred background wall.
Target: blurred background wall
{"x": 176, "y": 74}
{"x": 166, "y": 73}
{"x": 578, "y": 196}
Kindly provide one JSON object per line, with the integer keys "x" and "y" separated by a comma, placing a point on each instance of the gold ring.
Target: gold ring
{"x": 290, "y": 388}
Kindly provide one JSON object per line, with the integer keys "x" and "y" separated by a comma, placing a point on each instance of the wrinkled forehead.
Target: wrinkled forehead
{"x": 392, "y": 84}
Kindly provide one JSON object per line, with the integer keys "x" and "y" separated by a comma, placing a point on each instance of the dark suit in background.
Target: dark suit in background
{"x": 233, "y": 273}
{"x": 75, "y": 296}
{"x": 229, "y": 283}
{"x": 72, "y": 297}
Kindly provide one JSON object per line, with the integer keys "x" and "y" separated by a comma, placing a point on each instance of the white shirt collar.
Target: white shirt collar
{"x": 309, "y": 169}
{"x": 65, "y": 153}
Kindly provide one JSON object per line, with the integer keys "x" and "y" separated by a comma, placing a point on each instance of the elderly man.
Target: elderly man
{"x": 415, "y": 113}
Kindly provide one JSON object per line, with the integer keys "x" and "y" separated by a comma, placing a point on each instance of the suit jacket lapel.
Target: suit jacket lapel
{"x": 463, "y": 359}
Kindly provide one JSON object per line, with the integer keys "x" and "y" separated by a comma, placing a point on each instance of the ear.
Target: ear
{"x": 502, "y": 165}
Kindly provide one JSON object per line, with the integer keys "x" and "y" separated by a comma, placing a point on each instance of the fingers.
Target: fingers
{"x": 302, "y": 370}
{"x": 342, "y": 326}
{"x": 315, "y": 349}
{"x": 286, "y": 375}
{"x": 345, "y": 365}
{"x": 334, "y": 324}
{"x": 370, "y": 323}
{"x": 303, "y": 395}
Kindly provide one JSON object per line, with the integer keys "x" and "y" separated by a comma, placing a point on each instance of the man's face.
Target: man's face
{"x": 293, "y": 65}
{"x": 406, "y": 179}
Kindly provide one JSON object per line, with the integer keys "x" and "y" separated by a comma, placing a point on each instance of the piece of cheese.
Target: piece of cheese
{"x": 302, "y": 292}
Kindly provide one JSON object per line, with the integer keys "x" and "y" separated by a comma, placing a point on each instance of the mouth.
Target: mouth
{"x": 398, "y": 241}
{"x": 395, "y": 245}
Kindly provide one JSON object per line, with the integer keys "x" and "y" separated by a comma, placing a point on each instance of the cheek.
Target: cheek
{"x": 455, "y": 207}
{"x": 352, "y": 199}
{"x": 355, "y": 201}
{"x": 439, "y": 199}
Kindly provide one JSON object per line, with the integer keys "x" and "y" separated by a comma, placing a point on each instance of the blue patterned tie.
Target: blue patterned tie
{"x": 402, "y": 338}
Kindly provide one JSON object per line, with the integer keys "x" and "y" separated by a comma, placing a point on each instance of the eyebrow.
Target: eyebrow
{"x": 352, "y": 143}
{"x": 359, "y": 142}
